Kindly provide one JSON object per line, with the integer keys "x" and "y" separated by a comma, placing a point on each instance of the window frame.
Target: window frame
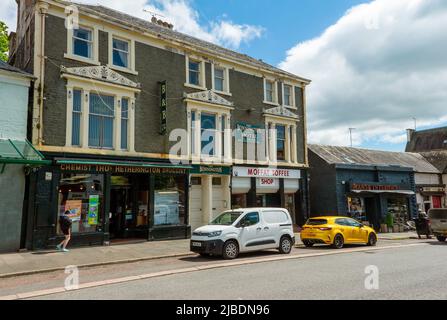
{"x": 292, "y": 104}
{"x": 80, "y": 112}
{"x": 114, "y": 120}
{"x": 274, "y": 91}
{"x": 284, "y": 140}
{"x": 225, "y": 79}
{"x": 94, "y": 59}
{"x": 130, "y": 54}
{"x": 202, "y": 71}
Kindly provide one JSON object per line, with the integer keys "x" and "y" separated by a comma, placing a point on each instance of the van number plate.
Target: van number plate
{"x": 196, "y": 244}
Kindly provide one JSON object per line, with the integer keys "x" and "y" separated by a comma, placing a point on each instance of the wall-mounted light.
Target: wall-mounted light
{"x": 70, "y": 94}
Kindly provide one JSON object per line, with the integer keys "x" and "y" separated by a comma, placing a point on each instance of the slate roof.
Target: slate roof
{"x": 163, "y": 32}
{"x": 358, "y": 156}
{"x": 437, "y": 158}
{"x": 8, "y": 67}
{"x": 428, "y": 140}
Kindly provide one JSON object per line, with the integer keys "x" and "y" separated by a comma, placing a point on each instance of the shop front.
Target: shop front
{"x": 266, "y": 187}
{"x": 430, "y": 197}
{"x": 108, "y": 201}
{"x": 387, "y": 207}
{"x": 209, "y": 193}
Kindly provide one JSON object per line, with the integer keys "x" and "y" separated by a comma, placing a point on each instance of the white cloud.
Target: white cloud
{"x": 379, "y": 66}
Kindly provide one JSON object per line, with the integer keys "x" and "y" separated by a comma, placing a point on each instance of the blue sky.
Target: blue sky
{"x": 374, "y": 64}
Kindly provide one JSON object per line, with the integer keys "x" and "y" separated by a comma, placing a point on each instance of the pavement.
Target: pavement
{"x": 27, "y": 263}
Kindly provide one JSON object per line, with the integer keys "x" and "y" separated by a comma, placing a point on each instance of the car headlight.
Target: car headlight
{"x": 214, "y": 234}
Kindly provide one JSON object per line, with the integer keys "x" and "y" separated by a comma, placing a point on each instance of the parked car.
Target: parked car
{"x": 244, "y": 230}
{"x": 336, "y": 231}
{"x": 438, "y": 223}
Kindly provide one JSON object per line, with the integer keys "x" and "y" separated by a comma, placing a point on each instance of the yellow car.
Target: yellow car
{"x": 336, "y": 231}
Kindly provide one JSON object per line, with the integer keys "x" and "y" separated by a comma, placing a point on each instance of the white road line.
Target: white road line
{"x": 241, "y": 262}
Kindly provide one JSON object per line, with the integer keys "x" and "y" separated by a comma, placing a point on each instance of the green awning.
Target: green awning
{"x": 121, "y": 163}
{"x": 20, "y": 152}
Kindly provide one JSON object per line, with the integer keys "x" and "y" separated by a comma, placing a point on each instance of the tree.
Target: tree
{"x": 4, "y": 41}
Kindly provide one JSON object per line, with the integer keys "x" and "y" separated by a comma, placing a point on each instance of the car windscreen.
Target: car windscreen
{"x": 437, "y": 214}
{"x": 226, "y": 218}
{"x": 316, "y": 222}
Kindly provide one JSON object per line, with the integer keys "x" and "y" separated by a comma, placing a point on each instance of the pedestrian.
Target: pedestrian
{"x": 422, "y": 225}
{"x": 65, "y": 224}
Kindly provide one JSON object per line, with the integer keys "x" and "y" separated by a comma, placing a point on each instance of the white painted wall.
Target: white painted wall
{"x": 426, "y": 178}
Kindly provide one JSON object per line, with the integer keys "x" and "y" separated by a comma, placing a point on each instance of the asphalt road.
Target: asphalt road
{"x": 413, "y": 272}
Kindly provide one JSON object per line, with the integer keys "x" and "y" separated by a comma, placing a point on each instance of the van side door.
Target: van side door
{"x": 250, "y": 236}
{"x": 276, "y": 223}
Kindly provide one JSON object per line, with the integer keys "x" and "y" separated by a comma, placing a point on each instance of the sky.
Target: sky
{"x": 378, "y": 66}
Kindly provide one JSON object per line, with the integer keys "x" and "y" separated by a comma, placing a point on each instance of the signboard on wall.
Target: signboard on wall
{"x": 266, "y": 173}
{"x": 163, "y": 107}
{"x": 205, "y": 169}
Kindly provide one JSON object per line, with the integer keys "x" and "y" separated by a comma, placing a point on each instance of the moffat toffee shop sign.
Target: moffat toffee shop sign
{"x": 266, "y": 173}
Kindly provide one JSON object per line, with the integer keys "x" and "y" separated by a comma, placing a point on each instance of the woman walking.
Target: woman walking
{"x": 65, "y": 224}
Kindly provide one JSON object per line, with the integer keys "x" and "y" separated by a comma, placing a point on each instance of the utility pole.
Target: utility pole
{"x": 350, "y": 134}
{"x": 415, "y": 123}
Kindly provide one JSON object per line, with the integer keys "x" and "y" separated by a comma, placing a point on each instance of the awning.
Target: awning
{"x": 404, "y": 192}
{"x": 20, "y": 152}
{"x": 121, "y": 163}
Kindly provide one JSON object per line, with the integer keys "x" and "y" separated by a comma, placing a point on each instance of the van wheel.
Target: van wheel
{"x": 307, "y": 243}
{"x": 372, "y": 240}
{"x": 285, "y": 245}
{"x": 441, "y": 238}
{"x": 338, "y": 242}
{"x": 230, "y": 250}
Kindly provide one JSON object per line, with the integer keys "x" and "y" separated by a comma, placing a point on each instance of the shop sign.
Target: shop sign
{"x": 266, "y": 173}
{"x": 432, "y": 189}
{"x": 204, "y": 169}
{"x": 248, "y": 133}
{"x": 267, "y": 181}
{"x": 372, "y": 187}
{"x": 163, "y": 107}
{"x": 121, "y": 169}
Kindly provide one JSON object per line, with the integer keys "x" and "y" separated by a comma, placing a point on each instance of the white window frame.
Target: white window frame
{"x": 94, "y": 60}
{"x": 275, "y": 91}
{"x": 131, "y": 54}
{"x": 291, "y": 151}
{"x": 202, "y": 78}
{"x": 292, "y": 95}
{"x": 226, "y": 82}
{"x": 92, "y": 86}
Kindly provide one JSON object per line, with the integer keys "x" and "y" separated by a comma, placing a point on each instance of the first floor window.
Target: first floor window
{"x": 76, "y": 122}
{"x": 82, "y": 43}
{"x": 208, "y": 133}
{"x": 288, "y": 99}
{"x": 101, "y": 118}
{"x": 193, "y": 130}
{"x": 219, "y": 79}
{"x": 120, "y": 53}
{"x": 124, "y": 122}
{"x": 269, "y": 91}
{"x": 280, "y": 142}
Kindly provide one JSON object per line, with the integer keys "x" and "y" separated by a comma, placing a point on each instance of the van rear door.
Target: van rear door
{"x": 438, "y": 220}
{"x": 275, "y": 221}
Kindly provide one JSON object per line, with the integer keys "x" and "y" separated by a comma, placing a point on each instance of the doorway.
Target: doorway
{"x": 120, "y": 210}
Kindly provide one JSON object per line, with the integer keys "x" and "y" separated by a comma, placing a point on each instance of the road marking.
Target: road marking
{"x": 34, "y": 294}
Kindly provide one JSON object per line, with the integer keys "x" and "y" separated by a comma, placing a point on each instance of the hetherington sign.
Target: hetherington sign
{"x": 119, "y": 169}
{"x": 266, "y": 173}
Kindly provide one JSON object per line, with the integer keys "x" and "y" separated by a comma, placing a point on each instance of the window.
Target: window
{"x": 169, "y": 200}
{"x": 76, "y": 121}
{"x": 222, "y": 136}
{"x": 193, "y": 130}
{"x": 251, "y": 218}
{"x": 288, "y": 95}
{"x": 120, "y": 53}
{"x": 219, "y": 79}
{"x": 217, "y": 181}
{"x": 316, "y": 222}
{"x": 208, "y": 134}
{"x": 280, "y": 142}
{"x": 82, "y": 43}
{"x": 101, "y": 120}
{"x": 194, "y": 73}
{"x": 82, "y": 196}
{"x": 342, "y": 222}
{"x": 269, "y": 91}
{"x": 124, "y": 123}
{"x": 196, "y": 181}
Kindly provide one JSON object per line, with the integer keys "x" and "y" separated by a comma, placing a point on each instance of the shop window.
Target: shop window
{"x": 81, "y": 195}
{"x": 196, "y": 181}
{"x": 280, "y": 143}
{"x": 169, "y": 197}
{"x": 398, "y": 213}
{"x": 217, "y": 181}
{"x": 101, "y": 120}
{"x": 239, "y": 201}
{"x": 356, "y": 209}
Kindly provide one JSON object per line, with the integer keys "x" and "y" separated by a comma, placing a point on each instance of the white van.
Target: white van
{"x": 244, "y": 230}
{"x": 438, "y": 223}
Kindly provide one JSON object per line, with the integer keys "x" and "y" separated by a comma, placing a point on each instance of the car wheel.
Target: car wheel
{"x": 338, "y": 242}
{"x": 307, "y": 243}
{"x": 372, "y": 240}
{"x": 230, "y": 250}
{"x": 441, "y": 238}
{"x": 285, "y": 245}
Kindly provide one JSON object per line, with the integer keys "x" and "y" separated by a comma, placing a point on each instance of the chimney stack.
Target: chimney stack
{"x": 162, "y": 23}
{"x": 410, "y": 133}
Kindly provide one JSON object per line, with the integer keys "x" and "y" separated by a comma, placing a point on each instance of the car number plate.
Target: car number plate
{"x": 196, "y": 244}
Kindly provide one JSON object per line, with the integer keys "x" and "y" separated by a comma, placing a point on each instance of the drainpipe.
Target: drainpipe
{"x": 43, "y": 9}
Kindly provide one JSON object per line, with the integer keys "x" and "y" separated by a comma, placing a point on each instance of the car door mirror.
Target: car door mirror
{"x": 242, "y": 224}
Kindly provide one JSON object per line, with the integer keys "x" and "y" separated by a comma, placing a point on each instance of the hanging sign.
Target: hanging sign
{"x": 163, "y": 107}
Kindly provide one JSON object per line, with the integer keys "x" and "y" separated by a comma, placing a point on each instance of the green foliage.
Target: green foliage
{"x": 4, "y": 41}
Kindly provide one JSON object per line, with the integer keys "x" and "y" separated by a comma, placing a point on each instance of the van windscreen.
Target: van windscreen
{"x": 437, "y": 214}
{"x": 316, "y": 222}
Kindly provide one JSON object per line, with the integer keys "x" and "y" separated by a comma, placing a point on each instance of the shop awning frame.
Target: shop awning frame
{"x": 402, "y": 192}
{"x": 121, "y": 163}
{"x": 12, "y": 153}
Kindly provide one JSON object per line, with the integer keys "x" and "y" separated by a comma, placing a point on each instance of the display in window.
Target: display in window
{"x": 93, "y": 210}
{"x": 356, "y": 208}
{"x": 169, "y": 199}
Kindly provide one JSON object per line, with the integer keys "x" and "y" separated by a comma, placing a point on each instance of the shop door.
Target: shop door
{"x": 371, "y": 211}
{"x": 195, "y": 203}
{"x": 218, "y": 197}
{"x": 120, "y": 210}
{"x": 436, "y": 200}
